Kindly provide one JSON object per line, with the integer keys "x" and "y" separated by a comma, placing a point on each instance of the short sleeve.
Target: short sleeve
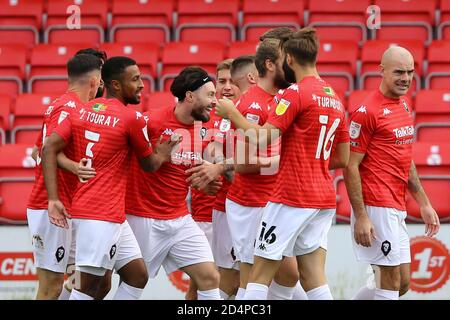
{"x": 56, "y": 117}
{"x": 287, "y": 109}
{"x": 138, "y": 134}
{"x": 342, "y": 135}
{"x": 64, "y": 130}
{"x": 362, "y": 127}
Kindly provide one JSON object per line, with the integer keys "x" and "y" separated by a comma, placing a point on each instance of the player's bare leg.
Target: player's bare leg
{"x": 104, "y": 286}
{"x": 262, "y": 274}
{"x": 388, "y": 279}
{"x": 88, "y": 286}
{"x": 207, "y": 279}
{"x": 50, "y": 284}
{"x": 405, "y": 278}
{"x": 134, "y": 277}
{"x": 311, "y": 267}
{"x": 191, "y": 294}
{"x": 285, "y": 285}
{"x": 229, "y": 281}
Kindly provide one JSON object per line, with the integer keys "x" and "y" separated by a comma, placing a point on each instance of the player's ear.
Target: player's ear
{"x": 115, "y": 84}
{"x": 189, "y": 96}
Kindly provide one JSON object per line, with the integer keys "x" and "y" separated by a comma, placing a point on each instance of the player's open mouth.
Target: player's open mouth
{"x": 208, "y": 108}
{"x": 228, "y": 95}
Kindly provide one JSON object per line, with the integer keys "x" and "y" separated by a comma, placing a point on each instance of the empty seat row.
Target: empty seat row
{"x": 162, "y": 20}
{"x": 342, "y": 63}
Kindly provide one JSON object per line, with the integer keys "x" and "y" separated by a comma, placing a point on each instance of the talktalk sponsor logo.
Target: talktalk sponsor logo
{"x": 17, "y": 266}
{"x": 404, "y": 131}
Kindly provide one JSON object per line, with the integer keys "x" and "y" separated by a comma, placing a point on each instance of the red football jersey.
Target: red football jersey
{"x": 161, "y": 194}
{"x": 253, "y": 189}
{"x": 383, "y": 129}
{"x": 201, "y": 206}
{"x": 59, "y": 109}
{"x": 106, "y": 132}
{"x": 311, "y": 118}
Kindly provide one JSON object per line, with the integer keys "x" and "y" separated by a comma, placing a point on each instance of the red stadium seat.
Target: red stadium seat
{"x": 20, "y": 21}
{"x": 336, "y": 63}
{"x": 343, "y": 206}
{"x": 178, "y": 55}
{"x": 444, "y": 25}
{"x": 48, "y": 72}
{"x": 16, "y": 181}
{"x": 406, "y": 20}
{"x": 438, "y": 65}
{"x": 261, "y": 15}
{"x": 13, "y": 59}
{"x": 207, "y": 20}
{"x": 28, "y": 116}
{"x": 339, "y": 20}
{"x": 432, "y": 158}
{"x": 241, "y": 48}
{"x": 5, "y": 110}
{"x": 141, "y": 21}
{"x": 93, "y": 21}
{"x": 158, "y": 100}
{"x": 371, "y": 54}
{"x": 437, "y": 189}
{"x": 433, "y": 115}
{"x": 145, "y": 54}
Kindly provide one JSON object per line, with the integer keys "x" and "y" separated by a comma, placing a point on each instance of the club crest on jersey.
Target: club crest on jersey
{"x": 203, "y": 132}
{"x": 405, "y": 105}
{"x": 225, "y": 125}
{"x": 355, "y": 130}
{"x": 282, "y": 107}
{"x": 99, "y": 107}
{"x": 329, "y": 91}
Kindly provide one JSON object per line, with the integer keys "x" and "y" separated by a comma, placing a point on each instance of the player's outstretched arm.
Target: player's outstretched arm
{"x": 56, "y": 211}
{"x": 340, "y": 156}
{"x": 161, "y": 153}
{"x": 364, "y": 231}
{"x": 429, "y": 215}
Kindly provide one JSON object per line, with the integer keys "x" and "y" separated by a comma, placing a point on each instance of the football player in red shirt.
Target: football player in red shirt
{"x": 380, "y": 171}
{"x": 106, "y": 132}
{"x": 300, "y": 211}
{"x": 156, "y": 206}
{"x": 202, "y": 204}
{"x": 52, "y": 245}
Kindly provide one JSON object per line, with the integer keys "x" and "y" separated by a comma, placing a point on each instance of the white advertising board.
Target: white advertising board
{"x": 430, "y": 267}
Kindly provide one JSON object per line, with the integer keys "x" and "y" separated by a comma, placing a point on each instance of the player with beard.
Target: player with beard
{"x": 156, "y": 207}
{"x": 302, "y": 205}
{"x": 105, "y": 131}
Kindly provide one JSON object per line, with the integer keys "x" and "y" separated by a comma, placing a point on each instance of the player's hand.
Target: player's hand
{"x": 165, "y": 149}
{"x": 57, "y": 214}
{"x": 364, "y": 231}
{"x": 85, "y": 170}
{"x": 212, "y": 188}
{"x": 431, "y": 219}
{"x": 202, "y": 175}
{"x": 224, "y": 108}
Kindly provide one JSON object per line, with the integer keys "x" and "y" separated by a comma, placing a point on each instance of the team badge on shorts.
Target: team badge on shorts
{"x": 112, "y": 252}
{"x": 355, "y": 130}
{"x": 59, "y": 254}
{"x": 37, "y": 241}
{"x": 282, "y": 107}
{"x": 386, "y": 247}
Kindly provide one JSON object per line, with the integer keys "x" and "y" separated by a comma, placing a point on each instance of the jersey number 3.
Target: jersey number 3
{"x": 325, "y": 138}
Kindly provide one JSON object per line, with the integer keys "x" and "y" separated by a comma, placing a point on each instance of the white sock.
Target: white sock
{"x": 320, "y": 293}
{"x": 299, "y": 293}
{"x": 213, "y": 294}
{"x": 382, "y": 294}
{"x": 279, "y": 292}
{"x": 256, "y": 291}
{"x": 65, "y": 294}
{"x": 365, "y": 293}
{"x": 224, "y": 295}
{"x": 240, "y": 294}
{"x": 77, "y": 295}
{"x": 127, "y": 292}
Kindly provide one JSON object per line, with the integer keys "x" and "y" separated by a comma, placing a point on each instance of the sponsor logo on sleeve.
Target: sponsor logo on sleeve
{"x": 62, "y": 116}
{"x": 282, "y": 107}
{"x": 355, "y": 130}
{"x": 253, "y": 118}
{"x": 329, "y": 91}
